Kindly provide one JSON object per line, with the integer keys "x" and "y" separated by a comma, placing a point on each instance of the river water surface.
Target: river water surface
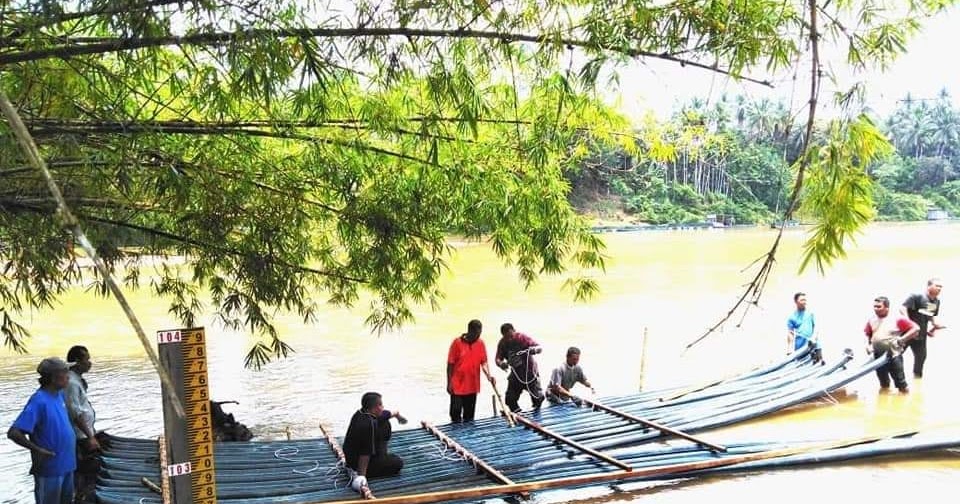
{"x": 669, "y": 285}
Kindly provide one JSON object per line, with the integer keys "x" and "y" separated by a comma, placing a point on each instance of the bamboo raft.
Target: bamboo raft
{"x": 561, "y": 446}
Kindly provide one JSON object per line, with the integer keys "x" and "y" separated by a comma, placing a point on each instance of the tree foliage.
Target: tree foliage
{"x": 299, "y": 152}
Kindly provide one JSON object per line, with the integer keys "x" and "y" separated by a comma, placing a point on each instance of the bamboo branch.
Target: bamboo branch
{"x": 754, "y": 289}
{"x": 159, "y": 233}
{"x": 78, "y": 46}
{"x": 123, "y": 128}
{"x": 70, "y": 221}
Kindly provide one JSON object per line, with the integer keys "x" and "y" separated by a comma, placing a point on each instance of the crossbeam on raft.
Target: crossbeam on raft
{"x": 645, "y": 472}
{"x": 567, "y": 441}
{"x": 469, "y": 456}
{"x": 342, "y": 458}
{"x": 650, "y": 423}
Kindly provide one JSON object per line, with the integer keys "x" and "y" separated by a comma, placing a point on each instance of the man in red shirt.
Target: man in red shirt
{"x": 467, "y": 356}
{"x": 888, "y": 335}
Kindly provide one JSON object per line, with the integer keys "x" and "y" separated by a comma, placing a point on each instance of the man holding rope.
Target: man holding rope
{"x": 888, "y": 335}
{"x": 465, "y": 359}
{"x": 515, "y": 352}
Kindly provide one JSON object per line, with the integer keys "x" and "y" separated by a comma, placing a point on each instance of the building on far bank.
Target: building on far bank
{"x": 934, "y": 213}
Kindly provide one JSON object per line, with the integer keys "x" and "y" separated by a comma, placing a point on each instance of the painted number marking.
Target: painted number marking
{"x": 179, "y": 469}
{"x": 164, "y": 337}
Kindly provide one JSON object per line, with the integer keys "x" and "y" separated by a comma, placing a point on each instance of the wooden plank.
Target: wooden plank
{"x": 646, "y": 472}
{"x": 565, "y": 440}
{"x": 503, "y": 407}
{"x": 651, "y": 423}
{"x": 470, "y": 457}
{"x": 342, "y": 458}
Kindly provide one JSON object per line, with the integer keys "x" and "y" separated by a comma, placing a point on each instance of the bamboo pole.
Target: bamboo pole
{"x": 342, "y": 458}
{"x": 655, "y": 425}
{"x": 164, "y": 479}
{"x": 643, "y": 357}
{"x": 478, "y": 462}
{"x": 697, "y": 388}
{"x": 503, "y": 407}
{"x": 694, "y": 388}
{"x": 647, "y": 472}
{"x": 565, "y": 440}
{"x": 151, "y": 485}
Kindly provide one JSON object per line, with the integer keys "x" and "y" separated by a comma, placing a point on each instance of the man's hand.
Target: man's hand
{"x": 449, "y": 388}
{"x": 44, "y": 453}
{"x": 359, "y": 483}
{"x": 93, "y": 444}
{"x": 869, "y": 349}
{"x": 493, "y": 381}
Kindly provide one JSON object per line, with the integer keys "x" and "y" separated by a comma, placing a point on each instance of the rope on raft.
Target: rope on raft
{"x": 292, "y": 451}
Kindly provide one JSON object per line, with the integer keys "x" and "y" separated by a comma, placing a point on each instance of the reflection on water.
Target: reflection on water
{"x": 670, "y": 285}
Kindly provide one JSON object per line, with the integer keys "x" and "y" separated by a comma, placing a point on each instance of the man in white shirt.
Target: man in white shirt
{"x": 83, "y": 417}
{"x": 565, "y": 376}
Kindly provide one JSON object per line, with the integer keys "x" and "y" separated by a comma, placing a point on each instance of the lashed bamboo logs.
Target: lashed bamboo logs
{"x": 342, "y": 457}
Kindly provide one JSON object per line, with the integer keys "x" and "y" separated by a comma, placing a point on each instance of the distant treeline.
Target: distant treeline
{"x": 733, "y": 157}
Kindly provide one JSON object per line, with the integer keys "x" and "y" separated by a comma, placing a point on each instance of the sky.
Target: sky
{"x": 927, "y": 67}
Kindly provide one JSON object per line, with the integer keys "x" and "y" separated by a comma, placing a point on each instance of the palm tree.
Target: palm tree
{"x": 945, "y": 122}
{"x": 912, "y": 128}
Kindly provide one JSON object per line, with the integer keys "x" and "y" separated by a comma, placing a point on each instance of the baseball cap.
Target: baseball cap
{"x": 51, "y": 365}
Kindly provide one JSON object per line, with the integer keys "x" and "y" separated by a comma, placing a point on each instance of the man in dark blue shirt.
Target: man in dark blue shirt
{"x": 44, "y": 428}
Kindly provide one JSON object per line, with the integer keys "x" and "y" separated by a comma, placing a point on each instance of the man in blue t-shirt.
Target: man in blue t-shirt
{"x": 44, "y": 428}
{"x": 801, "y": 327}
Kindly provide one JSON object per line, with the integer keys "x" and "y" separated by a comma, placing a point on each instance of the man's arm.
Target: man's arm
{"x": 555, "y": 379}
{"x": 586, "y": 382}
{"x": 532, "y": 346}
{"x": 909, "y": 328}
{"x": 77, "y": 416}
{"x": 500, "y": 359}
{"x": 18, "y": 436}
{"x": 791, "y": 332}
{"x": 912, "y": 303}
{"x": 486, "y": 371}
{"x": 449, "y": 377}
{"x": 363, "y": 461}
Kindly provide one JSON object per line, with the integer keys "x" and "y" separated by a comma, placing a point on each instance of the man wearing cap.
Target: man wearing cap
{"x": 44, "y": 428}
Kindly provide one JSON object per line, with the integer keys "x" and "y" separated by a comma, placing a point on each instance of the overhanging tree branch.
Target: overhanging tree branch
{"x": 185, "y": 240}
{"x": 754, "y": 290}
{"x": 70, "y": 221}
{"x": 78, "y": 46}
